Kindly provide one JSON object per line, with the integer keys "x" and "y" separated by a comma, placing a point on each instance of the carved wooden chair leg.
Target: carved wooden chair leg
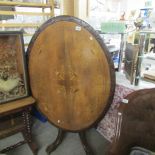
{"x": 27, "y": 133}
{"x": 57, "y": 142}
{"x": 86, "y": 147}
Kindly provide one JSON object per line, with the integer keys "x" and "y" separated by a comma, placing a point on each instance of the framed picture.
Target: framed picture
{"x": 13, "y": 70}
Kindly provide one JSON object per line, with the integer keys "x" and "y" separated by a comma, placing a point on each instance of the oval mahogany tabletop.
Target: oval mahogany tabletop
{"x": 71, "y": 73}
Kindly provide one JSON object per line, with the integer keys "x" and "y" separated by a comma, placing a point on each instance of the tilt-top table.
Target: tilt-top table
{"x": 71, "y": 74}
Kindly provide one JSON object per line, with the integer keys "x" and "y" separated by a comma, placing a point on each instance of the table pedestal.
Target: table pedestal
{"x": 59, "y": 139}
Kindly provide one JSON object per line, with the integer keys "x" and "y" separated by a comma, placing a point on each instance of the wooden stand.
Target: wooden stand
{"x": 60, "y": 136}
{"x": 15, "y": 117}
{"x": 73, "y": 96}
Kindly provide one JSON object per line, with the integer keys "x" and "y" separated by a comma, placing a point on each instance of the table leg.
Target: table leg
{"x": 57, "y": 142}
{"x": 12, "y": 147}
{"x": 86, "y": 147}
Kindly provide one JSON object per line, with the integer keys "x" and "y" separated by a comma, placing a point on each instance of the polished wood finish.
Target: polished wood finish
{"x": 135, "y": 125}
{"x": 57, "y": 141}
{"x": 18, "y": 104}
{"x": 71, "y": 73}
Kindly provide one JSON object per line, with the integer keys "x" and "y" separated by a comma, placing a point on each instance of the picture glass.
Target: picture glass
{"x": 13, "y": 81}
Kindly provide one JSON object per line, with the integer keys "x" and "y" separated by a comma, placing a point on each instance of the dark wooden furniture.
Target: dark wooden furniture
{"x": 135, "y": 123}
{"x": 15, "y": 117}
{"x": 71, "y": 75}
{"x": 131, "y": 57}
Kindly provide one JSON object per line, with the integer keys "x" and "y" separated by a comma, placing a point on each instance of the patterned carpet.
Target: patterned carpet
{"x": 107, "y": 126}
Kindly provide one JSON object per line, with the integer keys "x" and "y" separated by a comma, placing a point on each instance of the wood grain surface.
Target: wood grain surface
{"x": 7, "y": 107}
{"x": 71, "y": 73}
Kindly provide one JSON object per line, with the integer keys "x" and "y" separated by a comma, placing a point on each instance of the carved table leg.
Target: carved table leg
{"x": 57, "y": 142}
{"x": 12, "y": 147}
{"x": 27, "y": 133}
{"x": 86, "y": 147}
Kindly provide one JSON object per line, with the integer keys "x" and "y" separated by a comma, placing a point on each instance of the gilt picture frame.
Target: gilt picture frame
{"x": 13, "y": 68}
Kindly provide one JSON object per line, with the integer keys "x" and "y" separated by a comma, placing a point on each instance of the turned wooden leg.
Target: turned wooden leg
{"x": 57, "y": 142}
{"x": 86, "y": 147}
{"x": 27, "y": 133}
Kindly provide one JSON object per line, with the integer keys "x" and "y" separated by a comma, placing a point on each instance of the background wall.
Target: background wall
{"x": 77, "y": 8}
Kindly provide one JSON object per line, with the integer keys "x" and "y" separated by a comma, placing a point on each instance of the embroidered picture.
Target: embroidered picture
{"x": 13, "y": 81}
